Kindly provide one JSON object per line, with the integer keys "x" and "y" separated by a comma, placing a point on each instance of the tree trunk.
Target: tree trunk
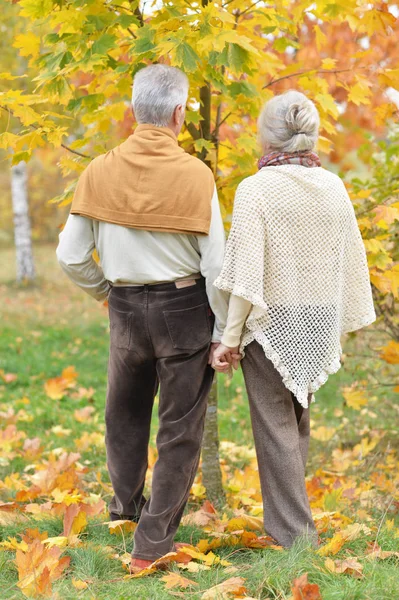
{"x": 22, "y": 230}
{"x": 211, "y": 471}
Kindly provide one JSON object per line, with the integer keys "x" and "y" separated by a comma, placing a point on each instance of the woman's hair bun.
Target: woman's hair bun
{"x": 289, "y": 123}
{"x": 300, "y": 118}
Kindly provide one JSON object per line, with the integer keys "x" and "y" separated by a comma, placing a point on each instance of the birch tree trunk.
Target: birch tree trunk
{"x": 22, "y": 229}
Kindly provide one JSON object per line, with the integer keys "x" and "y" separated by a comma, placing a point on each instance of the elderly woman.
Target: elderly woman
{"x": 296, "y": 267}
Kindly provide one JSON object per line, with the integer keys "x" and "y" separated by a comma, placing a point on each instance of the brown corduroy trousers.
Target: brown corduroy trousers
{"x": 160, "y": 334}
{"x": 281, "y": 432}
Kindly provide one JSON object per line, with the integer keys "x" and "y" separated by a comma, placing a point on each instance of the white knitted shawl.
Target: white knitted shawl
{"x": 296, "y": 253}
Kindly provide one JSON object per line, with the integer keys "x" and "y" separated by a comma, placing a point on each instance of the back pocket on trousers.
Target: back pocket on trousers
{"x": 189, "y": 328}
{"x": 120, "y": 329}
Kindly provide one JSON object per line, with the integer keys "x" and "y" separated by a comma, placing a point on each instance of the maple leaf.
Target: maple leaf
{"x": 38, "y": 566}
{"x": 354, "y": 398}
{"x": 231, "y": 588}
{"x": 172, "y": 580}
{"x": 349, "y": 566}
{"x": 302, "y": 590}
{"x": 390, "y": 353}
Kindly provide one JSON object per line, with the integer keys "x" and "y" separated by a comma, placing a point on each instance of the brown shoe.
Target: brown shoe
{"x": 137, "y": 565}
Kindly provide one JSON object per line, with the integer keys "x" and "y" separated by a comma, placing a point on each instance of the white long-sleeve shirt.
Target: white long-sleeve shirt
{"x": 137, "y": 257}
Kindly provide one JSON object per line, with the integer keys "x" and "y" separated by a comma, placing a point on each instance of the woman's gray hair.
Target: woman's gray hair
{"x": 289, "y": 123}
{"x": 157, "y": 90}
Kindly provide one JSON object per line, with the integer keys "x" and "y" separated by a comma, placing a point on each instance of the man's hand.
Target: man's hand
{"x": 224, "y": 358}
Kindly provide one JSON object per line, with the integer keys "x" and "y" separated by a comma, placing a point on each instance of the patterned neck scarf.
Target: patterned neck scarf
{"x": 274, "y": 159}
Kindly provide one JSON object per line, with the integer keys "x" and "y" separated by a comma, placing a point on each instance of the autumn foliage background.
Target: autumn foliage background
{"x": 66, "y": 68}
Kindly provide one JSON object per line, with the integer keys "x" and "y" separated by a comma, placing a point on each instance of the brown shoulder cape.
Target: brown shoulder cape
{"x": 148, "y": 182}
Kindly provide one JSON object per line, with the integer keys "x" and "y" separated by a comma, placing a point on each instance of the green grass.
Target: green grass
{"x": 50, "y": 326}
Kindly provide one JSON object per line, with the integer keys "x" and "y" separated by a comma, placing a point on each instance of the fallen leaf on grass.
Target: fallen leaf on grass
{"x": 8, "y": 377}
{"x": 354, "y": 398}
{"x": 13, "y": 544}
{"x": 348, "y": 566}
{"x": 201, "y": 517}
{"x": 303, "y": 590}
{"x": 172, "y": 580}
{"x": 231, "y": 588}
{"x": 142, "y": 573}
{"x": 323, "y": 434}
{"x": 333, "y": 546}
{"x": 245, "y": 522}
{"x": 82, "y": 415}
{"x": 75, "y": 520}
{"x": 39, "y": 565}
{"x": 120, "y": 526}
{"x": 78, "y": 584}
{"x": 209, "y": 559}
{"x": 353, "y": 531}
{"x": 56, "y": 387}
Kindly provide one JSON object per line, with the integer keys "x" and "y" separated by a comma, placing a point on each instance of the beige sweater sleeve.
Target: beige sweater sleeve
{"x": 239, "y": 309}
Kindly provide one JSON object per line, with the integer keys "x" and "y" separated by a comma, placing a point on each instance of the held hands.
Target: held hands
{"x": 222, "y": 358}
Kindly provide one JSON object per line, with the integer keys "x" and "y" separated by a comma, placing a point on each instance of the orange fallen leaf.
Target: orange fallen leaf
{"x": 231, "y": 588}
{"x": 38, "y": 566}
{"x": 172, "y": 580}
{"x": 8, "y": 377}
{"x": 390, "y": 353}
{"x": 303, "y": 590}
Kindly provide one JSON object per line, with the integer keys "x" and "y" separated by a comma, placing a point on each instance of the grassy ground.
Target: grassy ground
{"x": 352, "y": 471}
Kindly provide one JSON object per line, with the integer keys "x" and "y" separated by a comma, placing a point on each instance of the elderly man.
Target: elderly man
{"x": 151, "y": 211}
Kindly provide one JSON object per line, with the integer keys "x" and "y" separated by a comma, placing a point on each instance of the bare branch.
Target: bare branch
{"x": 273, "y": 81}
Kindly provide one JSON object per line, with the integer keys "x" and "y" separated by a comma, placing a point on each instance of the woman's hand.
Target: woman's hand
{"x": 224, "y": 358}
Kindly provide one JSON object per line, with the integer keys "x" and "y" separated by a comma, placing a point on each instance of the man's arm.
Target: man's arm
{"x": 211, "y": 248}
{"x": 75, "y": 255}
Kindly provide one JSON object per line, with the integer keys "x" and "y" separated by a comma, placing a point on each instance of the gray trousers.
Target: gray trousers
{"x": 281, "y": 432}
{"x": 159, "y": 335}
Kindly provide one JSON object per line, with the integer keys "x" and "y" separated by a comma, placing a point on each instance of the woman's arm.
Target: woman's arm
{"x": 239, "y": 309}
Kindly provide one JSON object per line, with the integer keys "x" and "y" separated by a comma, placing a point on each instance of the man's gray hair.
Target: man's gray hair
{"x": 289, "y": 123}
{"x": 157, "y": 90}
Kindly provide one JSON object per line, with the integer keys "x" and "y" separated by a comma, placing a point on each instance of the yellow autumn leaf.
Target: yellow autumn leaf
{"x": 28, "y": 44}
{"x": 232, "y": 587}
{"x": 354, "y": 398}
{"x": 78, "y": 584}
{"x": 322, "y": 433}
{"x": 79, "y": 523}
{"x": 121, "y": 526}
{"x": 333, "y": 546}
{"x": 173, "y": 580}
{"x": 328, "y": 63}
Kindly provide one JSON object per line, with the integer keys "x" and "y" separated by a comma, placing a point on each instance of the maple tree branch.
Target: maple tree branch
{"x": 9, "y": 111}
{"x": 249, "y": 8}
{"x": 273, "y": 81}
{"x": 193, "y": 131}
